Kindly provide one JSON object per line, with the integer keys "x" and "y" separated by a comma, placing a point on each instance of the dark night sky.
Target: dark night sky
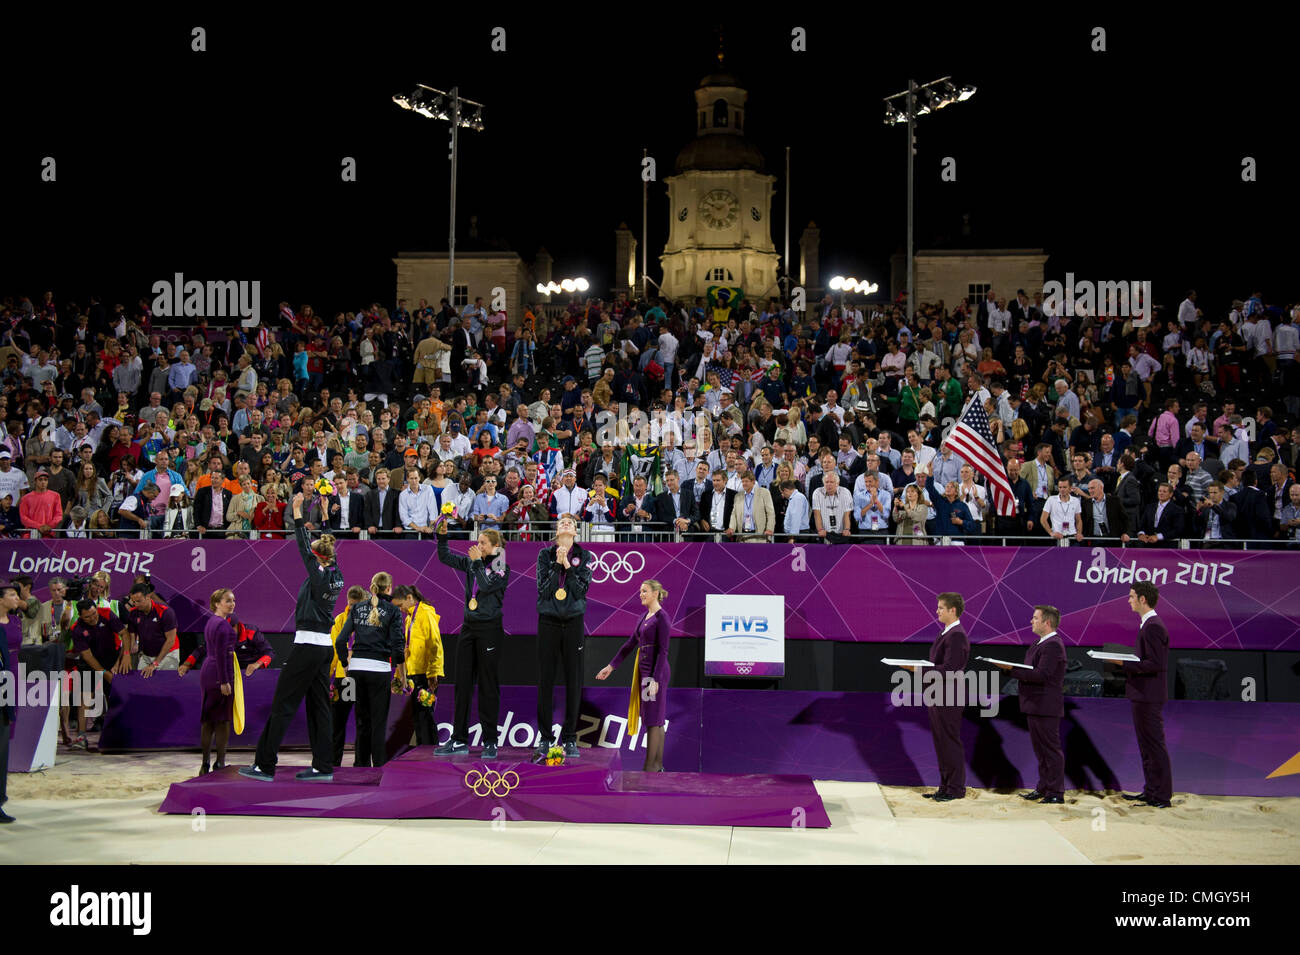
{"x": 1122, "y": 165}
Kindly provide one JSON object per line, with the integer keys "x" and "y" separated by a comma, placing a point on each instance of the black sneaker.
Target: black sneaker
{"x": 253, "y": 772}
{"x": 489, "y": 751}
{"x": 5, "y": 818}
{"x": 452, "y": 748}
{"x": 571, "y": 750}
{"x": 313, "y": 776}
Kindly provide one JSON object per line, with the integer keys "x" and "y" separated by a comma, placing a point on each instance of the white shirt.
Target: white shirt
{"x": 344, "y": 522}
{"x": 1062, "y": 513}
{"x": 1047, "y": 636}
{"x": 1145, "y": 617}
{"x": 923, "y": 455}
{"x": 718, "y": 509}
{"x": 955, "y": 623}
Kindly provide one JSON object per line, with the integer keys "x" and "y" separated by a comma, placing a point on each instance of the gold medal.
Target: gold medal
{"x": 473, "y": 603}
{"x": 560, "y": 594}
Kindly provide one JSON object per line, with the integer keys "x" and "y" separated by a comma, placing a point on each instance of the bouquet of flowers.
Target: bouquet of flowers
{"x": 426, "y": 698}
{"x": 400, "y": 687}
{"x": 448, "y": 509}
{"x": 555, "y": 756}
{"x": 324, "y": 487}
{"x": 334, "y": 692}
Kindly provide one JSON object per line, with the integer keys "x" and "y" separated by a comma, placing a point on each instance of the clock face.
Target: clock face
{"x": 719, "y": 209}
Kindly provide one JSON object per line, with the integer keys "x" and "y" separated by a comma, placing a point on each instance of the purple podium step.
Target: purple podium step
{"x": 593, "y": 789}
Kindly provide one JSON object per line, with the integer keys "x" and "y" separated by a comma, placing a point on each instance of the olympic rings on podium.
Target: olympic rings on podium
{"x": 491, "y": 782}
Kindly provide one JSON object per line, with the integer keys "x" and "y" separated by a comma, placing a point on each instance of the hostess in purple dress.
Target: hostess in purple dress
{"x": 651, "y": 639}
{"x": 219, "y": 640}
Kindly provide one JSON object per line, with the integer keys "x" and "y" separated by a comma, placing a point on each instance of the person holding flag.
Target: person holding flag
{"x": 972, "y": 438}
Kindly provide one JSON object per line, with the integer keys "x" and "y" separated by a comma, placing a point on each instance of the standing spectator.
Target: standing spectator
{"x": 832, "y": 507}
{"x": 41, "y": 509}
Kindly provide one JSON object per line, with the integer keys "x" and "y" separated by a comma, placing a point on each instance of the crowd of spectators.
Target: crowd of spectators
{"x": 749, "y": 423}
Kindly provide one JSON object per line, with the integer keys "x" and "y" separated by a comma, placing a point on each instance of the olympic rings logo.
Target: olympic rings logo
{"x": 744, "y": 668}
{"x": 491, "y": 783}
{"x": 617, "y": 567}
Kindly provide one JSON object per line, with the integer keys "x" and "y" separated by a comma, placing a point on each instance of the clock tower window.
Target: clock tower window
{"x": 720, "y": 114}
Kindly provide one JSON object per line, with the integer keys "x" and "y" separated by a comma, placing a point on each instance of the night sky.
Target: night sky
{"x": 1123, "y": 165}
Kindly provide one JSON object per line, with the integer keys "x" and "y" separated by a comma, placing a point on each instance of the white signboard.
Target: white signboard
{"x": 744, "y": 635}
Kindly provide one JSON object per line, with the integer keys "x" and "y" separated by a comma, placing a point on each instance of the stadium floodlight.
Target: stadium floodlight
{"x": 564, "y": 285}
{"x": 907, "y": 107}
{"x": 446, "y": 107}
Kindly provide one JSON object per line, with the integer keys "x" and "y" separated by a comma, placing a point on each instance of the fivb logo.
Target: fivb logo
{"x": 739, "y": 626}
{"x": 1105, "y": 298}
{"x": 75, "y": 908}
{"x": 181, "y": 299}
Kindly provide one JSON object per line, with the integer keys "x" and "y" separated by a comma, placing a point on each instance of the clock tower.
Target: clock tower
{"x": 720, "y": 199}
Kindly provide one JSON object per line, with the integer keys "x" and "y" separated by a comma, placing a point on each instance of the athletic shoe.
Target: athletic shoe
{"x": 253, "y": 772}
{"x": 5, "y": 818}
{"x": 313, "y": 776}
{"x": 452, "y": 748}
{"x": 81, "y": 743}
{"x": 571, "y": 750}
{"x": 543, "y": 747}
{"x": 489, "y": 751}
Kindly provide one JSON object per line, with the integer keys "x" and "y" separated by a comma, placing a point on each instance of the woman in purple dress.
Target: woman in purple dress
{"x": 650, "y": 681}
{"x": 217, "y": 677}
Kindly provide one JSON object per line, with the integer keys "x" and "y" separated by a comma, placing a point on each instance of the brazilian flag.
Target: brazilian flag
{"x": 723, "y": 300}
{"x": 641, "y": 460}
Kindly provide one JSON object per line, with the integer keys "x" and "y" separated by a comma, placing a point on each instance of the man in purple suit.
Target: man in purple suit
{"x": 1148, "y": 690}
{"x": 949, "y": 655}
{"x": 1042, "y": 699}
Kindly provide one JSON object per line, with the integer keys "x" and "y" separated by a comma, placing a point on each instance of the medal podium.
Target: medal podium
{"x": 592, "y": 789}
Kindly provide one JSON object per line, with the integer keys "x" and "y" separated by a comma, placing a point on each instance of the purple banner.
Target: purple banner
{"x": 1208, "y": 599}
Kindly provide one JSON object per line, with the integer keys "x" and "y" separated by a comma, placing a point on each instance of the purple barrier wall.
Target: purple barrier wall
{"x": 1215, "y": 748}
{"x": 1209, "y": 599}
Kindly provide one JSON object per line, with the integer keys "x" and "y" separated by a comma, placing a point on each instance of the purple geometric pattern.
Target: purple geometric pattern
{"x": 1209, "y": 599}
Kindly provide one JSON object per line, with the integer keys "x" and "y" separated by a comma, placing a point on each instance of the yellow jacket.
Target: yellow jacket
{"x": 423, "y": 642}
{"x": 337, "y": 669}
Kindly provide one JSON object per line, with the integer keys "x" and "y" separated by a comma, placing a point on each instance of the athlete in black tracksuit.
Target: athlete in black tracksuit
{"x": 478, "y": 651}
{"x": 306, "y": 672}
{"x": 564, "y": 567}
{"x": 378, "y": 647}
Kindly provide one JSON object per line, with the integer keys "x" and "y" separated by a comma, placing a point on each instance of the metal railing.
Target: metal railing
{"x": 623, "y": 532}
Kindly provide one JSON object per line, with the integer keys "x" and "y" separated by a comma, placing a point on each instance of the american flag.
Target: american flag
{"x": 972, "y": 439}
{"x": 724, "y": 374}
{"x": 286, "y": 312}
{"x": 263, "y": 340}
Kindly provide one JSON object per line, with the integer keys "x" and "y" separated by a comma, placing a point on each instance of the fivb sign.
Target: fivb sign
{"x": 1117, "y": 299}
{"x": 744, "y": 635}
{"x": 179, "y": 298}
